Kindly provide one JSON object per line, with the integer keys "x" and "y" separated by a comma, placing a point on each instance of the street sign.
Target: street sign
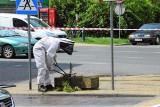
{"x": 26, "y": 7}
{"x": 40, "y": 3}
{"x": 119, "y": 9}
{"x": 119, "y": 1}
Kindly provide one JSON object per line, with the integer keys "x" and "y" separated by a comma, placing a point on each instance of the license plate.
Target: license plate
{"x": 138, "y": 39}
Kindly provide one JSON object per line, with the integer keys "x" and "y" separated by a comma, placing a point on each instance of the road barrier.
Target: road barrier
{"x": 63, "y": 28}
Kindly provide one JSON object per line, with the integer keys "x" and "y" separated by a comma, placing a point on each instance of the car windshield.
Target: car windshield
{"x": 7, "y": 33}
{"x": 150, "y": 26}
{"x": 37, "y": 22}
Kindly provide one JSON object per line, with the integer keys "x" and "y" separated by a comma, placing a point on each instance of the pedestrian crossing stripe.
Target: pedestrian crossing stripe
{"x": 26, "y": 7}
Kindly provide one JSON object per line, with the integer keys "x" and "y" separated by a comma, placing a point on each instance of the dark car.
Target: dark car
{"x": 6, "y": 99}
{"x": 147, "y": 33}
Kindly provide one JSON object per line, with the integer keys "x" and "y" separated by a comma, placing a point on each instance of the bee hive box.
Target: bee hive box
{"x": 82, "y": 82}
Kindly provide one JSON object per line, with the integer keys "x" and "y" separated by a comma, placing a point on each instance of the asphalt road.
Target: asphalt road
{"x": 86, "y": 60}
{"x": 90, "y": 60}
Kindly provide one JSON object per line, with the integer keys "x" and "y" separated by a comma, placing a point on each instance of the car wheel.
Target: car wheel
{"x": 8, "y": 51}
{"x": 157, "y": 42}
{"x": 151, "y": 43}
{"x": 134, "y": 43}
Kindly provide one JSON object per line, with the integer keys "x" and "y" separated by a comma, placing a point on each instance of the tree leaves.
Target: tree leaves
{"x": 97, "y": 14}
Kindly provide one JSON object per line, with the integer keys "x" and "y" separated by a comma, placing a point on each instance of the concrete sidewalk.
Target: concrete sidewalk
{"x": 142, "y": 85}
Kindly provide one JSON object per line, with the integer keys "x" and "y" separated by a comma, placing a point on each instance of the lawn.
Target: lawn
{"x": 101, "y": 41}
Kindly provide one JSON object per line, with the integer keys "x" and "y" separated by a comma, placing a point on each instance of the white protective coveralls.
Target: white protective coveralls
{"x": 44, "y": 52}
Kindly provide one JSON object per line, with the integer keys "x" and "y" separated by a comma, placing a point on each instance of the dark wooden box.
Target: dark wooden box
{"x": 80, "y": 81}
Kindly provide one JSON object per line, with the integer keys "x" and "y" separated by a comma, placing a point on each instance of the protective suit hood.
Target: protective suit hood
{"x": 67, "y": 45}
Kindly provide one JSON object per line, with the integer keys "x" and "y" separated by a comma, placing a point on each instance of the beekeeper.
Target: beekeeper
{"x": 45, "y": 53}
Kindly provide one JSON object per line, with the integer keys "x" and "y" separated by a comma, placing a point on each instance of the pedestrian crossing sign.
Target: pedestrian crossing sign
{"x": 40, "y": 3}
{"x": 26, "y": 7}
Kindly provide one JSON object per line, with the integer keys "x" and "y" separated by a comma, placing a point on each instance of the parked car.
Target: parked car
{"x": 6, "y": 99}
{"x": 11, "y": 43}
{"x": 21, "y": 21}
{"x": 148, "y": 34}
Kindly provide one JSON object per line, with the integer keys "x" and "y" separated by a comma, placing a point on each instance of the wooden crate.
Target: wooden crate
{"x": 82, "y": 82}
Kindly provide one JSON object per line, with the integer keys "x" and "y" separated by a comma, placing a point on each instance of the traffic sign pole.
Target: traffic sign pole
{"x": 111, "y": 35}
{"x": 119, "y": 10}
{"x": 30, "y": 8}
{"x": 119, "y": 26}
{"x": 29, "y": 53}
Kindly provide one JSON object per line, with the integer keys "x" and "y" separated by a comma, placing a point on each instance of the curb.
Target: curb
{"x": 92, "y": 95}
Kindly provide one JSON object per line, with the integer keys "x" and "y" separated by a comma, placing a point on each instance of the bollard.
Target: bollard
{"x": 83, "y": 36}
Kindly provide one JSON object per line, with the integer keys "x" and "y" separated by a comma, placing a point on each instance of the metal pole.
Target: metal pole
{"x": 111, "y": 34}
{"x": 119, "y": 28}
{"x": 38, "y": 9}
{"x": 120, "y": 11}
{"x": 83, "y": 36}
{"x": 29, "y": 53}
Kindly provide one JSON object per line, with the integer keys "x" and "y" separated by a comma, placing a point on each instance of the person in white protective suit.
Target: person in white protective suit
{"x": 45, "y": 53}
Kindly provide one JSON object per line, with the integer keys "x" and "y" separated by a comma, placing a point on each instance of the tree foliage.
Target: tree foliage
{"x": 94, "y": 14}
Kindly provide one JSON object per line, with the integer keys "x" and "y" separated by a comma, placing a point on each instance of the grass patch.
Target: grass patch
{"x": 66, "y": 87}
{"x": 101, "y": 41}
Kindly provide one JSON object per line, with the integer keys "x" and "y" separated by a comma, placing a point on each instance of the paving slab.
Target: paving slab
{"x": 141, "y": 85}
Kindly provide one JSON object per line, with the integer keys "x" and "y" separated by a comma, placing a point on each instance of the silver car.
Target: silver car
{"x": 6, "y": 99}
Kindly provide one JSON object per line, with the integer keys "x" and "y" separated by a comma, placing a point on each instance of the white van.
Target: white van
{"x": 18, "y": 20}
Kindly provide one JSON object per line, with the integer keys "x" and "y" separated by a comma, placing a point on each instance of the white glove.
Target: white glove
{"x": 51, "y": 68}
{"x": 54, "y": 58}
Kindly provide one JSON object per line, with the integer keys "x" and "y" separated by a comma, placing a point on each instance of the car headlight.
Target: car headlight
{"x": 23, "y": 44}
{"x": 51, "y": 34}
{"x": 130, "y": 36}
